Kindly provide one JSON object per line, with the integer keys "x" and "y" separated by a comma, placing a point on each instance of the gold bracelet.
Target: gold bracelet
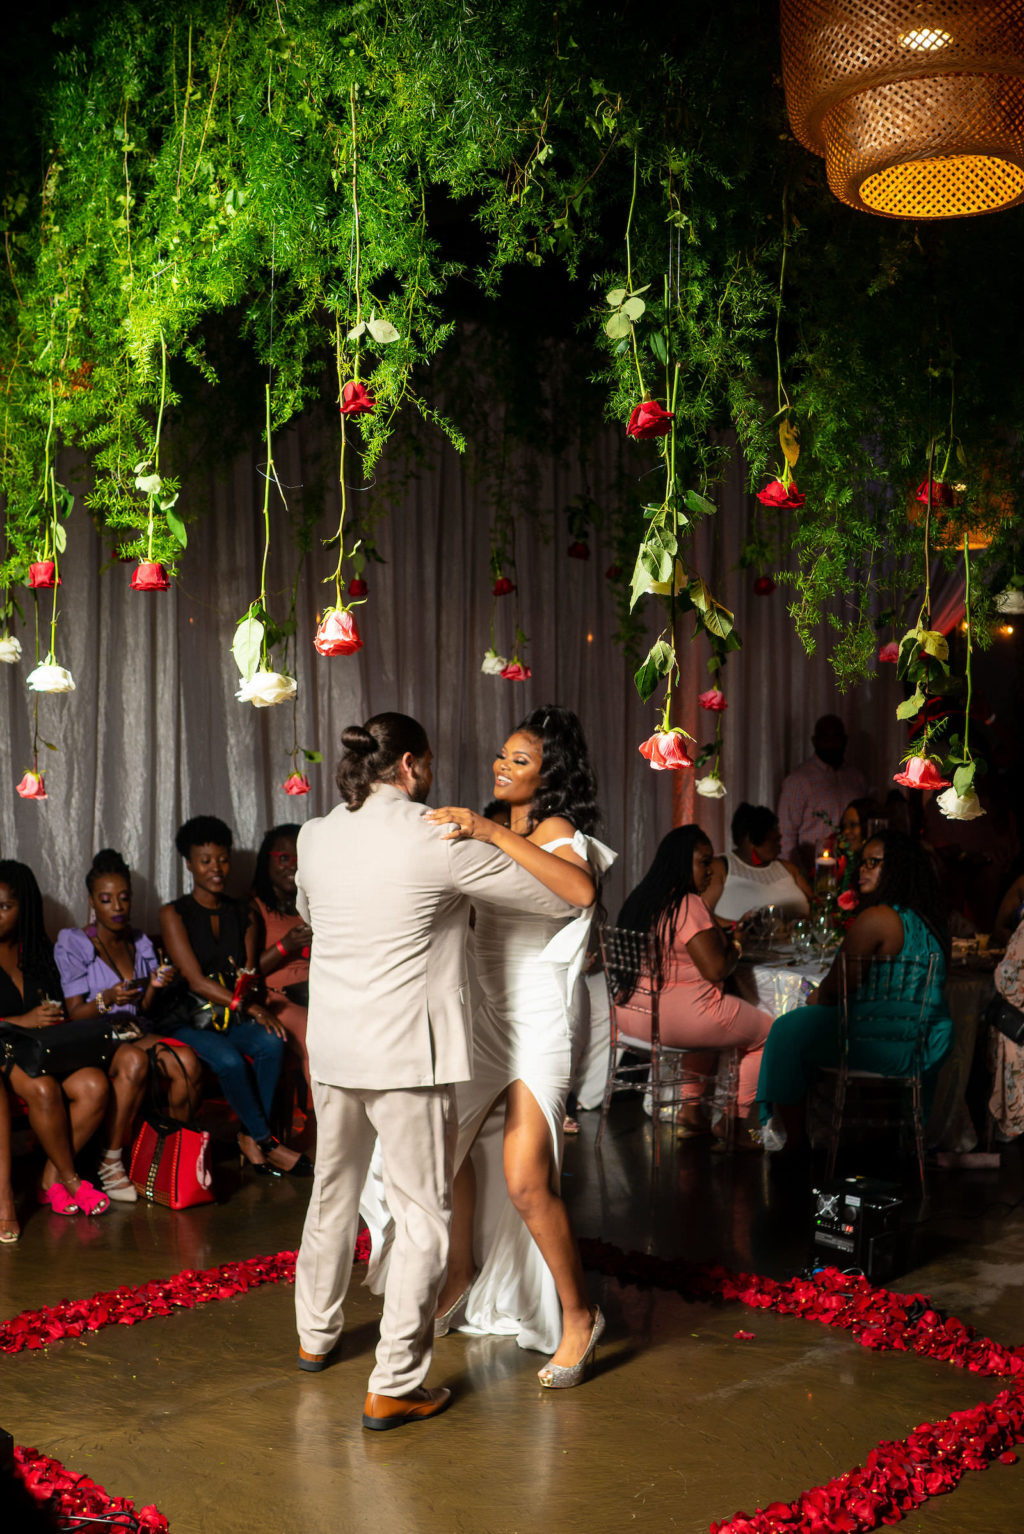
{"x": 102, "y": 1003}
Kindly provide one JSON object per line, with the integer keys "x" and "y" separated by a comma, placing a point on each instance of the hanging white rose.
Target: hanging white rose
{"x": 10, "y": 649}
{"x": 493, "y": 663}
{"x": 959, "y": 806}
{"x": 711, "y": 788}
{"x": 50, "y": 677}
{"x": 265, "y": 688}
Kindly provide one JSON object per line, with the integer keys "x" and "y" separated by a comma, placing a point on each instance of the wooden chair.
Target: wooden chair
{"x": 636, "y": 1064}
{"x": 905, "y": 985}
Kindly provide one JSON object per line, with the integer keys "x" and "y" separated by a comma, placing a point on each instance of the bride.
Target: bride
{"x": 514, "y": 1268}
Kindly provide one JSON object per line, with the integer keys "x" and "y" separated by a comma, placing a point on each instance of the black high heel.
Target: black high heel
{"x": 303, "y": 1167}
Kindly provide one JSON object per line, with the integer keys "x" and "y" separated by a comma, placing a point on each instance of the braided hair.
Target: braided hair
{"x": 262, "y": 888}
{"x": 655, "y": 904}
{"x": 568, "y": 786}
{"x": 908, "y": 879}
{"x": 107, "y": 861}
{"x": 35, "y": 951}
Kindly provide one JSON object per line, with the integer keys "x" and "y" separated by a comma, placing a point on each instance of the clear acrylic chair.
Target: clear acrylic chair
{"x": 905, "y": 991}
{"x": 637, "y": 1064}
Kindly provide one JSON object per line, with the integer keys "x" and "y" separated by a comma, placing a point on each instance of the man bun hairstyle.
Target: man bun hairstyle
{"x": 372, "y": 753}
{"x": 107, "y": 861}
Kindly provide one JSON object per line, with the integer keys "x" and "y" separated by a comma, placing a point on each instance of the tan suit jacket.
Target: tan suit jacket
{"x": 388, "y": 901}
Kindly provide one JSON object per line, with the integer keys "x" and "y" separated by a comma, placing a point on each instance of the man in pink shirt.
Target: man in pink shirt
{"x": 816, "y": 793}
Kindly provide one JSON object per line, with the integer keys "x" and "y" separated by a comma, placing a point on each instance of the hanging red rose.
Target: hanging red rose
{"x": 296, "y": 783}
{"x": 502, "y": 586}
{"x": 714, "y": 700}
{"x": 357, "y": 587}
{"x": 338, "y": 633}
{"x": 150, "y": 577}
{"x": 764, "y": 586}
{"x": 613, "y": 572}
{"x": 41, "y": 575}
{"x": 921, "y": 772}
{"x": 357, "y": 400}
{"x": 32, "y": 786}
{"x": 783, "y": 497}
{"x": 942, "y": 494}
{"x": 649, "y": 420}
{"x": 889, "y": 654}
{"x": 517, "y": 672}
{"x": 665, "y": 750}
{"x": 847, "y": 901}
{"x": 579, "y": 549}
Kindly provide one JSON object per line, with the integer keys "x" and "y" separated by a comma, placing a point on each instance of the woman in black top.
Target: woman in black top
{"x": 210, "y": 938}
{"x": 28, "y": 982}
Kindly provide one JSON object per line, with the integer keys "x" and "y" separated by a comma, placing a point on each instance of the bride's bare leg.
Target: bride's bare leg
{"x": 528, "y": 1174}
{"x": 461, "y": 1266}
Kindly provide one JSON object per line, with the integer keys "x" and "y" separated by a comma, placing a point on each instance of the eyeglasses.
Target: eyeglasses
{"x": 871, "y": 862}
{"x": 285, "y": 857}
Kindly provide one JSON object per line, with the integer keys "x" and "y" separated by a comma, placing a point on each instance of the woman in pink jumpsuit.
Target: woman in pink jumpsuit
{"x": 695, "y": 957}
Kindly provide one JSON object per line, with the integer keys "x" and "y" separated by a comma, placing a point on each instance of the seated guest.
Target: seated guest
{"x": 814, "y": 793}
{"x": 1005, "y": 1058}
{"x": 753, "y": 875}
{"x": 28, "y": 983}
{"x": 1010, "y": 913}
{"x": 211, "y": 938}
{"x": 694, "y": 958}
{"x": 901, "y": 914}
{"x": 282, "y": 937}
{"x": 855, "y": 824}
{"x": 108, "y": 968}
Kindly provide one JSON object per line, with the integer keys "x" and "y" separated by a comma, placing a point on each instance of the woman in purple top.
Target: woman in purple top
{"x": 111, "y": 969}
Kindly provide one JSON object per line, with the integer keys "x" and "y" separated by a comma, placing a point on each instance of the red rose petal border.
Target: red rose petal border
{"x": 74, "y": 1497}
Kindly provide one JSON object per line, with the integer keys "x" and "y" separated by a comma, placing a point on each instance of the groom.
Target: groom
{"x": 388, "y": 1036}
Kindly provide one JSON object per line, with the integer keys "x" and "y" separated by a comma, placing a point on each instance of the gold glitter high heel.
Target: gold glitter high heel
{"x": 556, "y": 1377}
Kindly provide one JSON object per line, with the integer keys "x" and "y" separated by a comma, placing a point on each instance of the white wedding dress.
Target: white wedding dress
{"x": 528, "y": 997}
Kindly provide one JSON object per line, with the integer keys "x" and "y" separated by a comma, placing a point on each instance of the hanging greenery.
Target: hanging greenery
{"x": 291, "y": 175}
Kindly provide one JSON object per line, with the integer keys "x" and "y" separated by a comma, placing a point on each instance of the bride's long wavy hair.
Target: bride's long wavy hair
{"x": 568, "y": 785}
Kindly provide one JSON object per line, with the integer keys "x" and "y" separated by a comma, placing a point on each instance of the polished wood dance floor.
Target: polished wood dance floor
{"x": 204, "y": 1414}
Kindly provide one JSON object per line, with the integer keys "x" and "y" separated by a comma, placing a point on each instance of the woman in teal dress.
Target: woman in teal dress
{"x": 901, "y": 916}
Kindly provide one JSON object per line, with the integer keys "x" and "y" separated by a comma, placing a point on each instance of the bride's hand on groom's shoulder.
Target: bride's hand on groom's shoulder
{"x": 462, "y": 825}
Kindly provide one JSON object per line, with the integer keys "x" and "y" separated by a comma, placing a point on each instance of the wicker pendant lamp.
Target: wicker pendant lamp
{"x": 917, "y": 107}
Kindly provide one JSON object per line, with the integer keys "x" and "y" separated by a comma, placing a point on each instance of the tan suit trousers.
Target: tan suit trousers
{"x": 416, "y": 1127}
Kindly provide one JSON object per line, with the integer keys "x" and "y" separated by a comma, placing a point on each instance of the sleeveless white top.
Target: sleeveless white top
{"x": 749, "y": 889}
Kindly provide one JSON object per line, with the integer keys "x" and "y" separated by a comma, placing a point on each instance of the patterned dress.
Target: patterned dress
{"x": 1005, "y": 1058}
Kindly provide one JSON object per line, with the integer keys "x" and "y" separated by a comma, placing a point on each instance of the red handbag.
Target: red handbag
{"x": 170, "y": 1164}
{"x": 170, "y": 1161}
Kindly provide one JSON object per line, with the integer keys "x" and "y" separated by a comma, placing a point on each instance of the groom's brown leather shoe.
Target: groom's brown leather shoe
{"x": 383, "y": 1412}
{"x": 314, "y": 1362}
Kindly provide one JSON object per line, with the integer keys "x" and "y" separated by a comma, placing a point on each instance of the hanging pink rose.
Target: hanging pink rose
{"x": 296, "y": 783}
{"x": 649, "y": 420}
{"x": 32, "y": 786}
{"x": 665, "y": 750}
{"x": 921, "y": 772}
{"x": 579, "y": 549}
{"x": 502, "y": 587}
{"x": 517, "y": 672}
{"x": 714, "y": 700}
{"x": 942, "y": 494}
{"x": 613, "y": 572}
{"x": 764, "y": 586}
{"x": 889, "y": 654}
{"x": 782, "y": 497}
{"x": 357, "y": 587}
{"x": 338, "y": 633}
{"x": 357, "y": 400}
{"x": 150, "y": 577}
{"x": 40, "y": 575}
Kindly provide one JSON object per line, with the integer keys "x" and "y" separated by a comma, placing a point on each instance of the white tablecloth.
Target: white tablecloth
{"x": 778, "y": 983}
